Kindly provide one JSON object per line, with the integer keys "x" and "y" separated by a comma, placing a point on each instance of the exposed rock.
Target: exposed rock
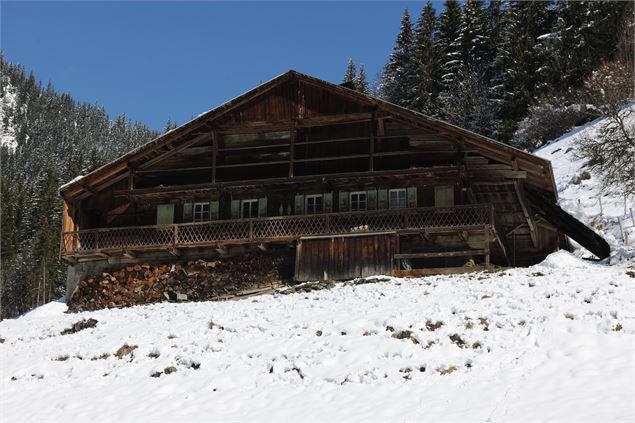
{"x": 125, "y": 350}
{"x": 81, "y": 325}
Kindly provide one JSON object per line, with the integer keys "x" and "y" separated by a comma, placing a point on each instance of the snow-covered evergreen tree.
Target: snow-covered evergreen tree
{"x": 50, "y": 139}
{"x": 517, "y": 63}
{"x": 361, "y": 83}
{"x": 427, "y": 60}
{"x": 399, "y": 77}
{"x": 351, "y": 72}
{"x": 448, "y": 43}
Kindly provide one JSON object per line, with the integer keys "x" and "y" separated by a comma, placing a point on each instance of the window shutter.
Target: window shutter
{"x": 299, "y": 204}
{"x": 382, "y": 199}
{"x": 262, "y": 207}
{"x": 328, "y": 202}
{"x": 235, "y": 212}
{"x": 187, "y": 212}
{"x": 444, "y": 195}
{"x": 412, "y": 197}
{"x": 213, "y": 210}
{"x": 343, "y": 203}
{"x": 165, "y": 214}
{"x": 372, "y": 199}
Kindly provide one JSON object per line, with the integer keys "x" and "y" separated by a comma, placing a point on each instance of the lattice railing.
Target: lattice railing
{"x": 273, "y": 228}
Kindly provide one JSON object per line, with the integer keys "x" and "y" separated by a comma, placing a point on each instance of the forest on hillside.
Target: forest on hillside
{"x": 520, "y": 72}
{"x": 46, "y": 139}
{"x": 511, "y": 70}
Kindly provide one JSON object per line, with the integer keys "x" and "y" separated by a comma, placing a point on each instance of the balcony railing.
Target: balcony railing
{"x": 269, "y": 229}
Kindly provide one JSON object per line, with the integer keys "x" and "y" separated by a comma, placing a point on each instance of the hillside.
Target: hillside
{"x": 46, "y": 139}
{"x": 580, "y": 192}
{"x": 550, "y": 342}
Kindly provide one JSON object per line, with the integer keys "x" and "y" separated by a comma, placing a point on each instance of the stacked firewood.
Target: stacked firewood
{"x": 192, "y": 281}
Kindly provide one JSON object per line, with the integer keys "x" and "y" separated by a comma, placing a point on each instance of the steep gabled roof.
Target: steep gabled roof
{"x": 541, "y": 168}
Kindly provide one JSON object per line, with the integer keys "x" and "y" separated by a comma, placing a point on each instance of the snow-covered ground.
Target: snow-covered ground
{"x": 553, "y": 342}
{"x": 580, "y": 192}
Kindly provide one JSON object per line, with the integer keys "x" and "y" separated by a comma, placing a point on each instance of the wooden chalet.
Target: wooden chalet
{"x": 356, "y": 185}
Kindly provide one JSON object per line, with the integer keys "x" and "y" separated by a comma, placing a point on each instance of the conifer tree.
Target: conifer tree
{"x": 399, "y": 77}
{"x": 361, "y": 84}
{"x": 427, "y": 60}
{"x": 474, "y": 34}
{"x": 351, "y": 72}
{"x": 517, "y": 62}
{"x": 448, "y": 43}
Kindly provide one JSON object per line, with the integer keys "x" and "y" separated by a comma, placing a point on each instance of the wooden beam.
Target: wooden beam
{"x": 436, "y": 254}
{"x": 294, "y": 134}
{"x": 172, "y": 152}
{"x": 129, "y": 254}
{"x": 334, "y": 119}
{"x": 431, "y": 172}
{"x": 373, "y": 130}
{"x": 215, "y": 146}
{"x": 273, "y": 162}
{"x": 436, "y": 271}
{"x": 181, "y": 169}
{"x": 530, "y": 222}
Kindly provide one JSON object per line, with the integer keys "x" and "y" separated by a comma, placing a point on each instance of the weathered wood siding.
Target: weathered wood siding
{"x": 344, "y": 257}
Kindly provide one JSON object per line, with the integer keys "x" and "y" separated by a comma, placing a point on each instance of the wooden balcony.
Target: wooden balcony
{"x": 128, "y": 241}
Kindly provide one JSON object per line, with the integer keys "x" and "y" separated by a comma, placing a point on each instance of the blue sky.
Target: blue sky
{"x": 169, "y": 60}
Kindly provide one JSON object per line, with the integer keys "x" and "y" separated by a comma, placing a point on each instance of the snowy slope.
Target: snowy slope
{"x": 7, "y": 104}
{"x": 553, "y": 342}
{"x": 581, "y": 197}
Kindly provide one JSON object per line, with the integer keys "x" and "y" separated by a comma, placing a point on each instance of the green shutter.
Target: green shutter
{"x": 262, "y": 207}
{"x": 372, "y": 199}
{"x": 187, "y": 212}
{"x": 165, "y": 214}
{"x": 235, "y": 212}
{"x": 382, "y": 199}
{"x": 299, "y": 204}
{"x": 213, "y": 210}
{"x": 444, "y": 195}
{"x": 343, "y": 201}
{"x": 412, "y": 197}
{"x": 328, "y": 202}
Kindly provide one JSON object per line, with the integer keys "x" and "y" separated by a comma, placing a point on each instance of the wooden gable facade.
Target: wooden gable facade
{"x": 354, "y": 184}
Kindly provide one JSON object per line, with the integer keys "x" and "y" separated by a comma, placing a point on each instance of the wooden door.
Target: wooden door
{"x": 344, "y": 257}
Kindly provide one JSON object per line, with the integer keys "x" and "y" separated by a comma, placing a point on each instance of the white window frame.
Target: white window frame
{"x": 253, "y": 203}
{"x": 398, "y": 191}
{"x": 313, "y": 197}
{"x": 358, "y": 193}
{"x": 199, "y": 212}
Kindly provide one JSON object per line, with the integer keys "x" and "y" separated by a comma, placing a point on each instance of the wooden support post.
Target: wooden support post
{"x": 488, "y": 228}
{"x": 373, "y": 130}
{"x": 293, "y": 134}
{"x": 130, "y": 178}
{"x": 215, "y": 140}
{"x": 523, "y": 204}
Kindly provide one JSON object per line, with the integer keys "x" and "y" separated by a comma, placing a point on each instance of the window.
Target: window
{"x": 397, "y": 198}
{"x": 314, "y": 204}
{"x": 201, "y": 212}
{"x": 358, "y": 201}
{"x": 249, "y": 208}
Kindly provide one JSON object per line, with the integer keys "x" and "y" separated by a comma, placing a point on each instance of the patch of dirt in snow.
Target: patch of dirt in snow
{"x": 558, "y": 346}
{"x": 580, "y": 193}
